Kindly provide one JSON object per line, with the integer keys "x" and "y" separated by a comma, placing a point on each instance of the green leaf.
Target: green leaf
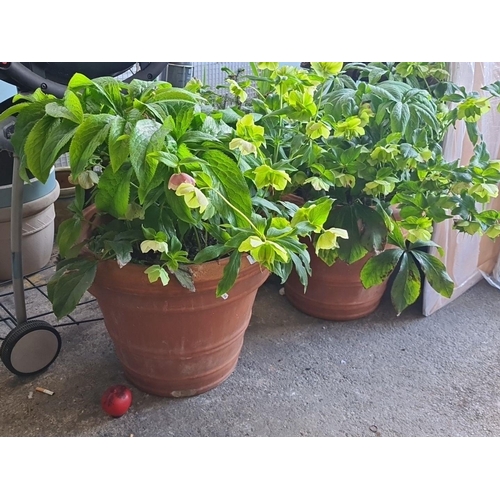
{"x": 472, "y": 131}
{"x": 196, "y": 137}
{"x": 140, "y": 139}
{"x": 56, "y": 143}
{"x": 230, "y": 273}
{"x": 58, "y": 111}
{"x": 179, "y": 207}
{"x": 407, "y": 284}
{"x": 35, "y": 141}
{"x": 147, "y": 137}
{"x": 113, "y": 192}
{"x": 88, "y": 137}
{"x": 79, "y": 81}
{"x": 209, "y": 253}
{"x": 400, "y": 115}
{"x": 156, "y": 273}
{"x": 185, "y": 278}
{"x": 229, "y": 180}
{"x": 118, "y": 143}
{"x": 379, "y": 268}
{"x": 183, "y": 121}
{"x": 374, "y": 231}
{"x": 300, "y": 269}
{"x": 74, "y": 106}
{"x": 350, "y": 250}
{"x": 67, "y": 285}
{"x": 122, "y": 250}
{"x": 12, "y": 110}
{"x": 111, "y": 88}
{"x": 68, "y": 234}
{"x": 25, "y": 122}
{"x": 435, "y": 272}
{"x": 173, "y": 94}
{"x": 318, "y": 214}
{"x": 328, "y": 256}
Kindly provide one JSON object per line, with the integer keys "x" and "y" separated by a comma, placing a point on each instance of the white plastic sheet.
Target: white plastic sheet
{"x": 467, "y": 257}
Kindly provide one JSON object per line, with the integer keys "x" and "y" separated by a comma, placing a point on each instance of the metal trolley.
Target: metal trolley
{"x": 34, "y": 344}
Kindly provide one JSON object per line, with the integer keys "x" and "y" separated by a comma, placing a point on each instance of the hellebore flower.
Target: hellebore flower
{"x": 177, "y": 179}
{"x": 193, "y": 197}
{"x": 328, "y": 240}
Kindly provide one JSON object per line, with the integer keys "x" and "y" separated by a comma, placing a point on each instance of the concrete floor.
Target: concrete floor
{"x": 297, "y": 376}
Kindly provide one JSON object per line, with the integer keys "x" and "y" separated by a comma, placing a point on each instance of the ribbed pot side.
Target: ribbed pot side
{"x": 170, "y": 341}
{"x": 334, "y": 292}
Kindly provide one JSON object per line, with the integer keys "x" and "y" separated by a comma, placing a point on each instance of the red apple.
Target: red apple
{"x": 116, "y": 400}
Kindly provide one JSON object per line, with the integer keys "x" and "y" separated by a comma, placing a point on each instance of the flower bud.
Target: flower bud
{"x": 177, "y": 179}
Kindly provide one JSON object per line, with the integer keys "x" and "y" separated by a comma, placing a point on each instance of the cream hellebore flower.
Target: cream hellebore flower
{"x": 156, "y": 246}
{"x": 264, "y": 252}
{"x": 328, "y": 240}
{"x": 193, "y": 197}
{"x": 184, "y": 185}
{"x": 245, "y": 147}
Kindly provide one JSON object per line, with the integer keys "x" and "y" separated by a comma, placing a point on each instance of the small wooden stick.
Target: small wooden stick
{"x": 45, "y": 391}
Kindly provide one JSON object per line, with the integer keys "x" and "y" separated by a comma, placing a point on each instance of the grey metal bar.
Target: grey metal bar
{"x": 16, "y": 231}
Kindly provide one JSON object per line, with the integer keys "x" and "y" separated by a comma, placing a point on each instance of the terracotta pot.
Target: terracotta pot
{"x": 334, "y": 293}
{"x": 170, "y": 341}
{"x": 66, "y": 196}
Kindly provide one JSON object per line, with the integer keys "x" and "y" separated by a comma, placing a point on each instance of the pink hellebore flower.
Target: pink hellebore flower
{"x": 177, "y": 179}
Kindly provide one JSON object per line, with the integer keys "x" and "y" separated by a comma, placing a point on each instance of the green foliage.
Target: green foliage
{"x": 369, "y": 136}
{"x": 170, "y": 183}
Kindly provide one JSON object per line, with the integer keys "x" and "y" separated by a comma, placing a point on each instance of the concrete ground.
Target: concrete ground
{"x": 297, "y": 376}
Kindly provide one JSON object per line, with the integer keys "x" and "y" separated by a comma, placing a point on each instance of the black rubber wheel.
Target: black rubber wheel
{"x": 30, "y": 348}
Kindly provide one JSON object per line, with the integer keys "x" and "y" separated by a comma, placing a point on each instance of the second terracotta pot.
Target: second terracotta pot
{"x": 334, "y": 292}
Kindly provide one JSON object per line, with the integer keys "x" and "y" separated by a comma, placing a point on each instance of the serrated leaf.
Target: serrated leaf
{"x": 12, "y": 110}
{"x": 56, "y": 110}
{"x": 35, "y": 141}
{"x": 113, "y": 192}
{"x": 379, "y": 267}
{"x": 373, "y": 231}
{"x": 79, "y": 81}
{"x": 350, "y": 250}
{"x": 300, "y": 269}
{"x": 123, "y": 251}
{"x": 68, "y": 234}
{"x": 230, "y": 273}
{"x": 92, "y": 132}
{"x": 197, "y": 137}
{"x": 57, "y": 142}
{"x": 230, "y": 182}
{"x": 209, "y": 253}
{"x": 67, "y": 285}
{"x": 185, "y": 278}
{"x": 173, "y": 94}
{"x": 118, "y": 143}
{"x": 147, "y": 137}
{"x": 400, "y": 115}
{"x": 407, "y": 284}
{"x": 435, "y": 272}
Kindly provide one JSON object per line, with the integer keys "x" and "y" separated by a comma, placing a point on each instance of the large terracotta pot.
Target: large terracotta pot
{"x": 170, "y": 341}
{"x": 334, "y": 293}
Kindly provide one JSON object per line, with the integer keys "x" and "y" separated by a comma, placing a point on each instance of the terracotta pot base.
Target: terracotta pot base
{"x": 170, "y": 341}
{"x": 334, "y": 293}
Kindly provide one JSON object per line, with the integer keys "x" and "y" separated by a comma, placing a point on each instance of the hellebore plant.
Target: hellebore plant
{"x": 374, "y": 145}
{"x": 172, "y": 185}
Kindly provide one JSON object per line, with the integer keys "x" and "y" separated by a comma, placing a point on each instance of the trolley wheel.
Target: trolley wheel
{"x": 30, "y": 348}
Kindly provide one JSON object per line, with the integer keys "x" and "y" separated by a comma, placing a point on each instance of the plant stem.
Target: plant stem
{"x": 198, "y": 239}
